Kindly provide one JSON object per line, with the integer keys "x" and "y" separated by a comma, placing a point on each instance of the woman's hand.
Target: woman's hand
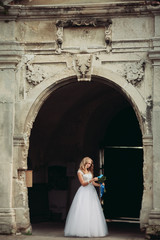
{"x": 95, "y": 179}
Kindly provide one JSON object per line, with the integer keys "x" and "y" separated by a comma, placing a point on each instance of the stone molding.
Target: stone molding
{"x": 18, "y": 12}
{"x": 8, "y": 61}
{"x": 155, "y": 214}
{"x": 18, "y": 140}
{"x": 117, "y": 46}
{"x": 147, "y": 140}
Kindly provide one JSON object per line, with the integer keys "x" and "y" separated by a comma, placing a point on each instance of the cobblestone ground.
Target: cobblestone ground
{"x": 51, "y": 231}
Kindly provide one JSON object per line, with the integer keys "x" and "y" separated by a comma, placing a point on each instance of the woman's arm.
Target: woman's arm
{"x": 96, "y": 184}
{"x": 82, "y": 182}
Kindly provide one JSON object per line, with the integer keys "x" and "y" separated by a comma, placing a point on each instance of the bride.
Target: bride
{"x": 85, "y": 217}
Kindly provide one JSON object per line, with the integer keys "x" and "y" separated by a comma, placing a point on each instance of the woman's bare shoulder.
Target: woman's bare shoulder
{"x": 80, "y": 171}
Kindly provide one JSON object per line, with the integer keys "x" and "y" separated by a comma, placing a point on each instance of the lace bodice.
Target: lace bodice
{"x": 86, "y": 176}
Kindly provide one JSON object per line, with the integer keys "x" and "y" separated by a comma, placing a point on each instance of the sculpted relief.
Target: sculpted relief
{"x": 84, "y": 34}
{"x": 134, "y": 72}
{"x": 74, "y": 37}
{"x": 34, "y": 74}
{"x": 83, "y": 65}
{"x": 81, "y": 39}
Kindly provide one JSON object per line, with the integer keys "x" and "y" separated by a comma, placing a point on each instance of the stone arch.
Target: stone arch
{"x": 40, "y": 93}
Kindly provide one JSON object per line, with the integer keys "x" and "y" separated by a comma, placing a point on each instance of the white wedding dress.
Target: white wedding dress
{"x": 85, "y": 217}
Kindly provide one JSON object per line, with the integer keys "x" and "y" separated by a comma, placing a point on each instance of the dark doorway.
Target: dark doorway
{"x": 123, "y": 164}
{"x": 72, "y": 123}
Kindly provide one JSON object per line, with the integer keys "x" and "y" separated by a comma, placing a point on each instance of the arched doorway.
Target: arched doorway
{"x": 71, "y": 123}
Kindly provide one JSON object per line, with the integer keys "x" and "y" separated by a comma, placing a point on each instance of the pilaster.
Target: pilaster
{"x": 154, "y": 217}
{"x": 7, "y": 88}
{"x": 148, "y": 179}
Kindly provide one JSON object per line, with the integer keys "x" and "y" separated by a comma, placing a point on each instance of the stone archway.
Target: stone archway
{"x": 38, "y": 96}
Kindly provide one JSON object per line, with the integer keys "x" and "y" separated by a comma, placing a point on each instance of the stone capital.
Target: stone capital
{"x": 9, "y": 61}
{"x": 154, "y": 55}
{"x": 18, "y": 140}
{"x": 148, "y": 140}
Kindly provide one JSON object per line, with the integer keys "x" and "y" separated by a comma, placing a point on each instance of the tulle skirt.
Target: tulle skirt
{"x": 85, "y": 217}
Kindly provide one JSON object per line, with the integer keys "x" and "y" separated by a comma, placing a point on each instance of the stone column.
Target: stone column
{"x": 7, "y": 85}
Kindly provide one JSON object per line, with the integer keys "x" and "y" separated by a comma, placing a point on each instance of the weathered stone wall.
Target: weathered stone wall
{"x": 44, "y": 47}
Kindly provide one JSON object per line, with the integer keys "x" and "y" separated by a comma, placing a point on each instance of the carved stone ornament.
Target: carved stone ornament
{"x": 34, "y": 74}
{"x": 149, "y": 102}
{"x": 21, "y": 182}
{"x": 147, "y": 117}
{"x": 26, "y": 136}
{"x": 83, "y": 63}
{"x": 59, "y": 40}
{"x": 134, "y": 72}
{"x": 84, "y": 23}
{"x": 108, "y": 38}
{"x": 77, "y": 23}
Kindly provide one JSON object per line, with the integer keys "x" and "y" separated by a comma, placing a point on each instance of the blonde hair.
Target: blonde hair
{"x": 84, "y": 162}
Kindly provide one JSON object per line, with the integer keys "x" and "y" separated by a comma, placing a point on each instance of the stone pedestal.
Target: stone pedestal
{"x": 7, "y": 221}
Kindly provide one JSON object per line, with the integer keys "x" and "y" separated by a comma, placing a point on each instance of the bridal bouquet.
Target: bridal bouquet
{"x": 101, "y": 180}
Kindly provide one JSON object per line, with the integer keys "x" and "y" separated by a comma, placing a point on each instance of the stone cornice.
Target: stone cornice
{"x": 13, "y": 49}
{"x": 77, "y": 11}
